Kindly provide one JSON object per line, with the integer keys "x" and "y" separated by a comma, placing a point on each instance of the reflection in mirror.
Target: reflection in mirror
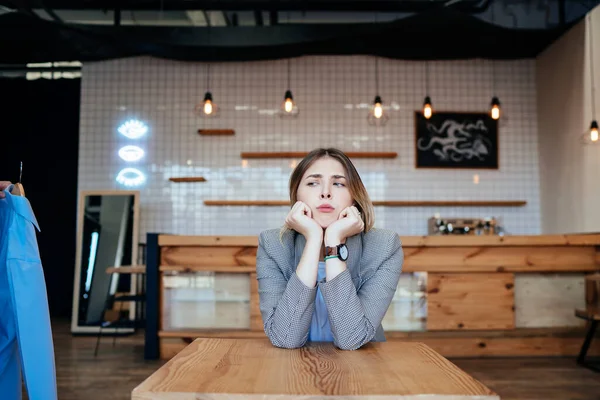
{"x": 106, "y": 237}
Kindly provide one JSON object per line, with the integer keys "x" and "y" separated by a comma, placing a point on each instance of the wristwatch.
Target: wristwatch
{"x": 341, "y": 251}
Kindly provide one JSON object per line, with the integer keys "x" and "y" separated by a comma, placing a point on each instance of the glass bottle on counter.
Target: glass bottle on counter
{"x": 479, "y": 228}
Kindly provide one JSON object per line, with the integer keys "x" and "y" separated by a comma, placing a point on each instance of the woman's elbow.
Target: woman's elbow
{"x": 356, "y": 340}
{"x": 285, "y": 343}
{"x": 289, "y": 345}
{"x": 350, "y": 345}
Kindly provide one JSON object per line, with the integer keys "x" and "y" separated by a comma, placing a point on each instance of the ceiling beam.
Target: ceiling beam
{"x": 258, "y": 18}
{"x": 197, "y": 18}
{"x": 472, "y": 6}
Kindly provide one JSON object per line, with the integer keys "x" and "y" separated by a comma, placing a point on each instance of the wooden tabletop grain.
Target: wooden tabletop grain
{"x": 244, "y": 369}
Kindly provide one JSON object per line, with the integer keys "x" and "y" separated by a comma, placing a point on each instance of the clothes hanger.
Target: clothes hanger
{"x": 18, "y": 189}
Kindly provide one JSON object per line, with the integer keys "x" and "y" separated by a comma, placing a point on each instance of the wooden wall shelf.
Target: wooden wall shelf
{"x": 246, "y": 203}
{"x": 300, "y": 154}
{"x": 188, "y": 179}
{"x": 389, "y": 203}
{"x": 216, "y": 132}
{"x": 452, "y": 203}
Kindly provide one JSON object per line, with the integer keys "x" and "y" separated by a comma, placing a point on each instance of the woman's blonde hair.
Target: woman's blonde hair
{"x": 355, "y": 185}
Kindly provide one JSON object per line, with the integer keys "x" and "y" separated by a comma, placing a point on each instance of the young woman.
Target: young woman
{"x": 327, "y": 275}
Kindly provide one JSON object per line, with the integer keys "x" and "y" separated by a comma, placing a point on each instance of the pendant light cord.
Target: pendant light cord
{"x": 593, "y": 102}
{"x": 426, "y": 78}
{"x": 376, "y": 64}
{"x": 208, "y": 77}
{"x": 493, "y": 62}
{"x": 377, "y": 75}
{"x": 208, "y": 25}
{"x": 289, "y": 72}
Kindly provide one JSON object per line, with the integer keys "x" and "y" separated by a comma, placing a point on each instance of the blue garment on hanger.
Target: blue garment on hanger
{"x": 25, "y": 332}
{"x": 320, "y": 329}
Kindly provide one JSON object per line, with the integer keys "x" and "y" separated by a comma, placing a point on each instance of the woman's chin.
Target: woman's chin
{"x": 324, "y": 222}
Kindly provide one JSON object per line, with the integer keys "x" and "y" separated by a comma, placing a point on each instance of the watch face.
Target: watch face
{"x": 343, "y": 251}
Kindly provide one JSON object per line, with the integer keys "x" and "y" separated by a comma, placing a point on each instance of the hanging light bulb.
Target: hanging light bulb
{"x": 427, "y": 110}
{"x": 377, "y": 116}
{"x": 594, "y": 131}
{"x": 378, "y": 108}
{"x": 495, "y": 110}
{"x": 288, "y": 106}
{"x": 591, "y": 136}
{"x": 207, "y": 108}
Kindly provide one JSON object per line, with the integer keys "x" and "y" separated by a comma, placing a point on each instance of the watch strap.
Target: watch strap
{"x": 331, "y": 251}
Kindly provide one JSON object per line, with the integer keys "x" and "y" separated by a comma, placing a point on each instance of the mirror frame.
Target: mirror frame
{"x": 75, "y": 327}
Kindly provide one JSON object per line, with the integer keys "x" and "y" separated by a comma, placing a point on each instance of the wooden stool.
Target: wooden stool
{"x": 592, "y": 315}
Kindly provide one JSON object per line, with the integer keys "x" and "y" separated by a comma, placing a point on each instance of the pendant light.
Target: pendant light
{"x": 495, "y": 104}
{"x": 377, "y": 116}
{"x": 591, "y": 136}
{"x": 495, "y": 108}
{"x": 288, "y": 106}
{"x": 207, "y": 107}
{"x": 427, "y": 108}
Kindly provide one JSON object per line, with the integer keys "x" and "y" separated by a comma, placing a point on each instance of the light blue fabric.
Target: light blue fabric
{"x": 320, "y": 330}
{"x": 25, "y": 333}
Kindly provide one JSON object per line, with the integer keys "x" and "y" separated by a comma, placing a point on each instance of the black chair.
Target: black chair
{"x": 139, "y": 297}
{"x": 592, "y": 315}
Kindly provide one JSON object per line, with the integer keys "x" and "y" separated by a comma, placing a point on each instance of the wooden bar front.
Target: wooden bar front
{"x": 485, "y": 295}
{"x": 254, "y": 369}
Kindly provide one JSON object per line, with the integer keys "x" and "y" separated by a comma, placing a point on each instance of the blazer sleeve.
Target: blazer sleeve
{"x": 286, "y": 306}
{"x": 355, "y": 316}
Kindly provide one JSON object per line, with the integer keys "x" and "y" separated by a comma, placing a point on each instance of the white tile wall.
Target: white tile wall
{"x": 332, "y": 94}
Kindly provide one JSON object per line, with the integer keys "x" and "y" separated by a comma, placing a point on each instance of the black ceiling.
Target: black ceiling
{"x": 439, "y": 33}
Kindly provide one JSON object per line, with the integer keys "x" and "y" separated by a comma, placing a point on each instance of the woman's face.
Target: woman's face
{"x": 324, "y": 188}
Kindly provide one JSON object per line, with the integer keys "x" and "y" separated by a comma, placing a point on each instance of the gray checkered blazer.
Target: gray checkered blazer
{"x": 356, "y": 300}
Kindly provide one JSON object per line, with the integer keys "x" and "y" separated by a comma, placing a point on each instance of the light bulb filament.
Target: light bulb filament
{"x": 427, "y": 111}
{"x": 378, "y": 110}
{"x": 289, "y": 105}
{"x": 208, "y": 107}
{"x": 495, "y": 112}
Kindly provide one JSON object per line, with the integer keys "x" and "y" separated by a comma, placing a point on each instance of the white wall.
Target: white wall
{"x": 569, "y": 171}
{"x": 332, "y": 93}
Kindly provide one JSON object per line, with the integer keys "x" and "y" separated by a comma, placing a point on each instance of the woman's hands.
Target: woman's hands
{"x": 349, "y": 223}
{"x": 300, "y": 219}
{"x": 4, "y": 185}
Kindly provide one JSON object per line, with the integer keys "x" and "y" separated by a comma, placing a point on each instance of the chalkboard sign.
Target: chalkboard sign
{"x": 456, "y": 140}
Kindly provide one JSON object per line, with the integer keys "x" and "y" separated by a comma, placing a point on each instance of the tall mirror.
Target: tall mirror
{"x": 107, "y": 236}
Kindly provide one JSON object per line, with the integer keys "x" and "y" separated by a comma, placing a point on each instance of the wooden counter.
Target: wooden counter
{"x": 254, "y": 369}
{"x": 461, "y": 295}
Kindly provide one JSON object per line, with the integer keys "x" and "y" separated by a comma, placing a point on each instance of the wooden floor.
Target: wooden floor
{"x": 116, "y": 371}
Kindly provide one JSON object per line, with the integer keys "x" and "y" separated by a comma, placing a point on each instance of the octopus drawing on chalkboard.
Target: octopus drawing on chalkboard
{"x": 456, "y": 140}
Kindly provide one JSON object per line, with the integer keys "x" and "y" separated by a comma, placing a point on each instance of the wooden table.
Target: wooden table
{"x": 254, "y": 369}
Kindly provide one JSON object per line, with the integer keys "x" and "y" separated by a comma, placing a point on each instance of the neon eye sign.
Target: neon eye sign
{"x": 131, "y": 153}
{"x": 130, "y": 177}
{"x": 133, "y": 129}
